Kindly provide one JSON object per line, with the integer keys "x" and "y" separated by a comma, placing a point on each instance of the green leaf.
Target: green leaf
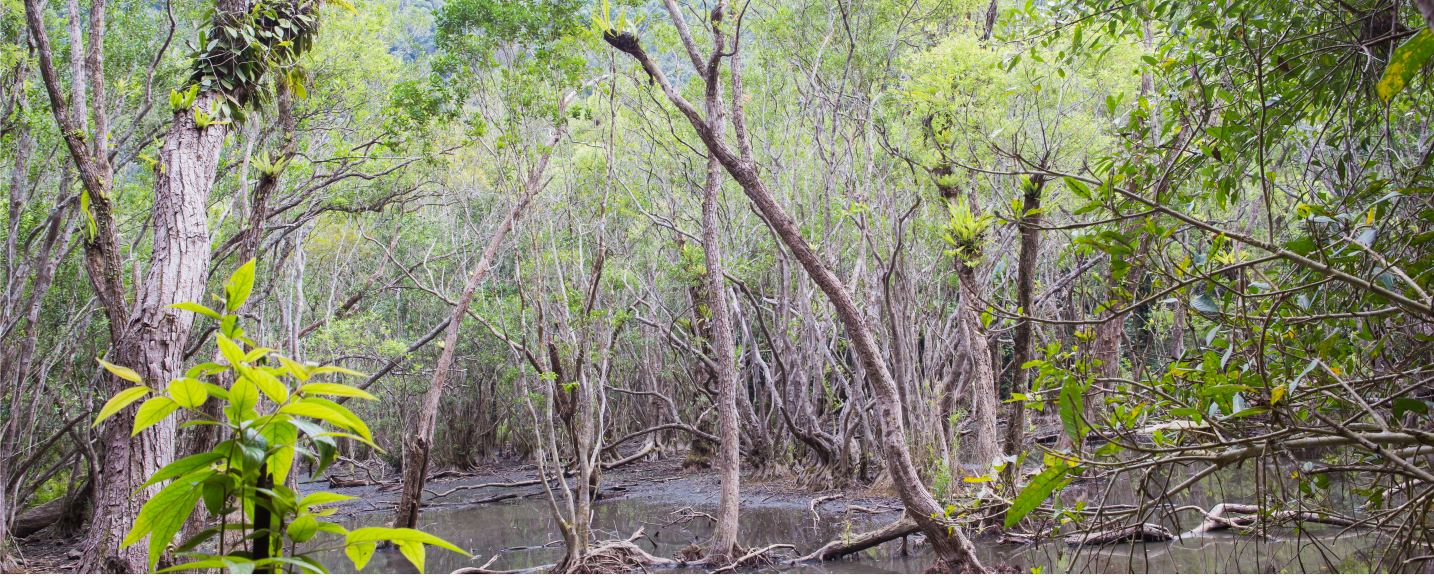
{"x": 120, "y": 401}
{"x": 336, "y": 369}
{"x": 309, "y": 409}
{"x": 181, "y": 467}
{"x": 356, "y": 424}
{"x": 124, "y": 373}
{"x": 303, "y": 528}
{"x": 270, "y": 385}
{"x": 1072, "y": 406}
{"x": 232, "y": 351}
{"x": 282, "y": 435}
{"x": 1404, "y": 63}
{"x": 295, "y": 368}
{"x": 210, "y": 563}
{"x": 336, "y": 389}
{"x": 152, "y": 412}
{"x": 243, "y": 395}
{"x": 1077, "y": 187}
{"x": 188, "y": 392}
{"x": 200, "y": 309}
{"x": 1404, "y": 404}
{"x": 319, "y": 498}
{"x": 236, "y": 291}
{"x": 413, "y": 551}
{"x": 397, "y": 536}
{"x": 165, "y": 513}
{"x": 360, "y": 553}
{"x": 1040, "y": 488}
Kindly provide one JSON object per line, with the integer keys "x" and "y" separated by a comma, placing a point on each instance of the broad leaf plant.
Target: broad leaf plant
{"x": 276, "y": 409}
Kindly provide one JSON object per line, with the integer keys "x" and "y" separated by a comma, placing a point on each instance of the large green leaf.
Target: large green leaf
{"x": 409, "y": 543}
{"x": 236, "y": 291}
{"x": 162, "y": 516}
{"x": 188, "y": 392}
{"x": 152, "y": 412}
{"x": 337, "y": 390}
{"x": 1072, "y": 405}
{"x": 1040, "y": 488}
{"x": 120, "y": 401}
{"x": 355, "y": 424}
{"x": 1404, "y": 63}
{"x": 320, "y": 498}
{"x": 270, "y": 385}
{"x": 182, "y": 467}
{"x": 122, "y": 372}
{"x": 200, "y": 309}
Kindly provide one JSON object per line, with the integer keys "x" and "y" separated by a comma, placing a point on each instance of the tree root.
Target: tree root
{"x": 1218, "y": 518}
{"x": 617, "y": 557}
{"x": 760, "y": 556}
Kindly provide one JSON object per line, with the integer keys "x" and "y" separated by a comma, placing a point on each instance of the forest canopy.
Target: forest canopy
{"x": 1058, "y": 272}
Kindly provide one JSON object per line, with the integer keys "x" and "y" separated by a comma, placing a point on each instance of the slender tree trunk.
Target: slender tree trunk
{"x": 954, "y": 551}
{"x": 415, "y": 467}
{"x": 729, "y": 461}
{"x": 1024, "y": 335}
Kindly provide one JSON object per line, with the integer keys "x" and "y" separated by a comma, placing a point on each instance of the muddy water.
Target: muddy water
{"x": 522, "y": 533}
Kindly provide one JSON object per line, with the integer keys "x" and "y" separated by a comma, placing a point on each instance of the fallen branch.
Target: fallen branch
{"x": 1137, "y": 533}
{"x": 901, "y": 528}
{"x": 815, "y": 502}
{"x": 481, "y": 486}
{"x": 751, "y": 555}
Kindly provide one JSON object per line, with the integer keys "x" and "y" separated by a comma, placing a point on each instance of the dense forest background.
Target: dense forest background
{"x": 963, "y": 252}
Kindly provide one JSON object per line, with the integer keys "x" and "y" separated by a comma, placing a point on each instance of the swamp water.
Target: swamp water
{"x": 523, "y": 532}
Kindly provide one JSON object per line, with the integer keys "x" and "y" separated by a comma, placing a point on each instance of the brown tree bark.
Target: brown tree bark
{"x": 952, "y": 547}
{"x": 983, "y": 382}
{"x": 1023, "y": 337}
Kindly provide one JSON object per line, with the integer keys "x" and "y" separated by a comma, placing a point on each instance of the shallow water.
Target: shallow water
{"x": 496, "y": 529}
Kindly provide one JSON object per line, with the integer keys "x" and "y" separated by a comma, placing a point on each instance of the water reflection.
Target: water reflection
{"x": 523, "y": 532}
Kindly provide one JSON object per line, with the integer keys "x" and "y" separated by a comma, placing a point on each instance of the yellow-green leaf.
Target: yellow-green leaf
{"x": 295, "y": 368}
{"x": 360, "y": 553}
{"x": 336, "y": 389}
{"x": 124, "y": 373}
{"x": 232, "y": 351}
{"x": 120, "y": 401}
{"x": 1404, "y": 63}
{"x": 188, "y": 392}
{"x": 152, "y": 412}
{"x": 270, "y": 385}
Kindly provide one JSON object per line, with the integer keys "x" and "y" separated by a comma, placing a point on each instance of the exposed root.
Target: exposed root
{"x": 617, "y": 557}
{"x": 1218, "y": 518}
{"x": 758, "y": 557}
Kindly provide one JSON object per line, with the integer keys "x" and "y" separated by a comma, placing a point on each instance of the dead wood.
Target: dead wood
{"x": 901, "y": 528}
{"x": 1138, "y": 533}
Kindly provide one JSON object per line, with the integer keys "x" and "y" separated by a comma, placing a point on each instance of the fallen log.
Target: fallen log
{"x": 481, "y": 486}
{"x": 901, "y": 528}
{"x": 338, "y": 483}
{"x": 37, "y": 518}
{"x": 1139, "y": 533}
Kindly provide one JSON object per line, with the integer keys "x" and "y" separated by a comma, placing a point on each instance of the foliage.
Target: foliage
{"x": 245, "y": 475}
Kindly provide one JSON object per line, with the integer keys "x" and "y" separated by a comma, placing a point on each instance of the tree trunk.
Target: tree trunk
{"x": 154, "y": 341}
{"x": 983, "y": 382}
{"x": 1024, "y": 335}
{"x": 952, "y": 547}
{"x": 729, "y": 461}
{"x": 416, "y": 457}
